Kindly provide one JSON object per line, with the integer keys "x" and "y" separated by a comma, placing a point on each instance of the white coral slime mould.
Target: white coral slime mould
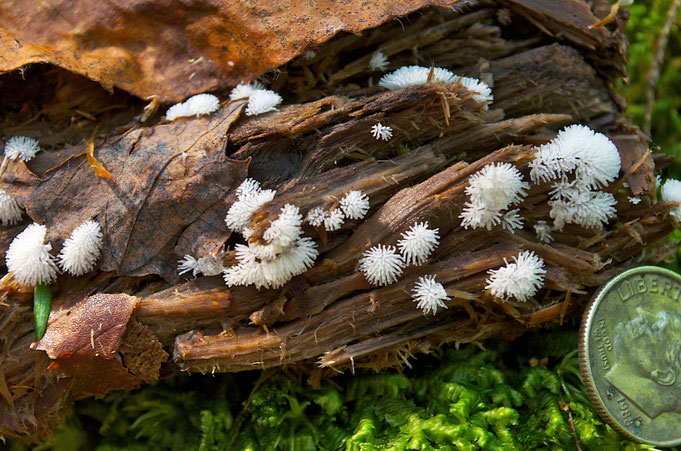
{"x": 429, "y": 294}
{"x": 282, "y": 233}
{"x": 543, "y": 231}
{"x": 315, "y": 217}
{"x": 209, "y": 265}
{"x": 81, "y": 250}
{"x": 10, "y": 212}
{"x": 244, "y": 90}
{"x": 407, "y": 76}
{"x": 262, "y": 101}
{"x": 381, "y": 265}
{"x": 521, "y": 279}
{"x": 576, "y": 204}
{"x": 378, "y": 61}
{"x": 29, "y": 259}
{"x": 333, "y": 220}
{"x": 250, "y": 199}
{"x": 380, "y": 131}
{"x": 671, "y": 192}
{"x": 492, "y": 189}
{"x": 483, "y": 92}
{"x": 418, "y": 243}
{"x": 355, "y": 204}
{"x": 21, "y": 147}
{"x": 592, "y": 156}
{"x": 198, "y": 105}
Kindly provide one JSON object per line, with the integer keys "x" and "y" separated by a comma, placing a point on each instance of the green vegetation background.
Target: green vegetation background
{"x": 525, "y": 394}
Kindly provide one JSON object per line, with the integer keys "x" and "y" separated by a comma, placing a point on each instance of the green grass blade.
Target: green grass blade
{"x": 42, "y": 298}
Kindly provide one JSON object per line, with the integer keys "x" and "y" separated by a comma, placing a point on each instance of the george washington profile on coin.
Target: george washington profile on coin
{"x": 648, "y": 361}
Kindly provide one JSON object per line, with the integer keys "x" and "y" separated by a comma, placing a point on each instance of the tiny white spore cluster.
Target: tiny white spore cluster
{"x": 671, "y": 192}
{"x": 429, "y": 295}
{"x": 10, "y": 211}
{"x": 198, "y": 105}
{"x": 493, "y": 189}
{"x": 208, "y": 265}
{"x": 520, "y": 279}
{"x": 260, "y": 100}
{"x": 353, "y": 205}
{"x": 580, "y": 161}
{"x": 21, "y": 147}
{"x": 378, "y": 61}
{"x": 29, "y": 258}
{"x": 380, "y": 131}
{"x": 407, "y": 76}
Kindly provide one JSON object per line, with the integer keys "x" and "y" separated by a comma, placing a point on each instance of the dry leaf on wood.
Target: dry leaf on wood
{"x": 204, "y": 45}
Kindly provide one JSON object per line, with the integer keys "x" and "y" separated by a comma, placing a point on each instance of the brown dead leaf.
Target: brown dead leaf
{"x": 168, "y": 178}
{"x": 203, "y": 46}
{"x": 84, "y": 342}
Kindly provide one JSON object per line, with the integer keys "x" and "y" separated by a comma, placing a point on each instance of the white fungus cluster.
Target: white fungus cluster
{"x": 429, "y": 294}
{"x": 260, "y": 100}
{"x": 407, "y": 76}
{"x": 493, "y": 189}
{"x": 418, "y": 243}
{"x": 671, "y": 192}
{"x": 543, "y": 231}
{"x": 10, "y": 212}
{"x": 81, "y": 250}
{"x": 29, "y": 258}
{"x": 378, "y": 61}
{"x": 198, "y": 105}
{"x": 21, "y": 147}
{"x": 520, "y": 279}
{"x": 580, "y": 161}
{"x": 382, "y": 265}
{"x": 380, "y": 131}
{"x": 273, "y": 259}
{"x": 208, "y": 265}
{"x": 353, "y": 205}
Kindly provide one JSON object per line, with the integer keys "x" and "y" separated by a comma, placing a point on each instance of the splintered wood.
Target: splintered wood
{"x": 168, "y": 197}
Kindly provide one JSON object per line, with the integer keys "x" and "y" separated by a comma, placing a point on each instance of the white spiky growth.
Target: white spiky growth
{"x": 429, "y": 294}
{"x": 418, "y": 243}
{"x": 634, "y": 200}
{"x": 208, "y": 265}
{"x": 334, "y": 219}
{"x": 592, "y": 157}
{"x": 355, "y": 204}
{"x": 262, "y": 101}
{"x": 543, "y": 231}
{"x": 10, "y": 211}
{"x": 315, "y": 217}
{"x": 249, "y": 199}
{"x": 381, "y": 265}
{"x": 378, "y": 61}
{"x": 671, "y": 192}
{"x": 483, "y": 93}
{"x": 572, "y": 203}
{"x": 380, "y": 131}
{"x": 21, "y": 147}
{"x": 81, "y": 250}
{"x": 493, "y": 189}
{"x": 281, "y": 234}
{"x": 198, "y": 105}
{"x": 29, "y": 259}
{"x": 244, "y": 90}
{"x": 520, "y": 279}
{"x": 407, "y": 76}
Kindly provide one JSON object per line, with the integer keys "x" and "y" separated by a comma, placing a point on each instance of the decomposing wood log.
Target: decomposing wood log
{"x": 136, "y": 320}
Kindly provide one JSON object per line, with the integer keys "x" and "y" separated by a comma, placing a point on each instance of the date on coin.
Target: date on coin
{"x": 630, "y": 354}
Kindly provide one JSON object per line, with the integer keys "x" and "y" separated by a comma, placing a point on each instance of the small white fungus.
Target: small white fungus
{"x": 634, "y": 200}
{"x": 493, "y": 189}
{"x": 671, "y": 192}
{"x": 521, "y": 279}
{"x": 407, "y": 76}
{"x": 380, "y": 131}
{"x": 333, "y": 220}
{"x": 573, "y": 203}
{"x": 10, "y": 212}
{"x": 198, "y": 105}
{"x": 355, "y": 204}
{"x": 378, "y": 61}
{"x": 543, "y": 231}
{"x": 484, "y": 93}
{"x": 250, "y": 199}
{"x": 429, "y": 294}
{"x": 315, "y": 217}
{"x": 381, "y": 265}
{"x": 245, "y": 90}
{"x": 418, "y": 243}
{"x": 511, "y": 220}
{"x": 209, "y": 265}
{"x": 29, "y": 259}
{"x": 21, "y": 147}
{"x": 81, "y": 250}
{"x": 262, "y": 101}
